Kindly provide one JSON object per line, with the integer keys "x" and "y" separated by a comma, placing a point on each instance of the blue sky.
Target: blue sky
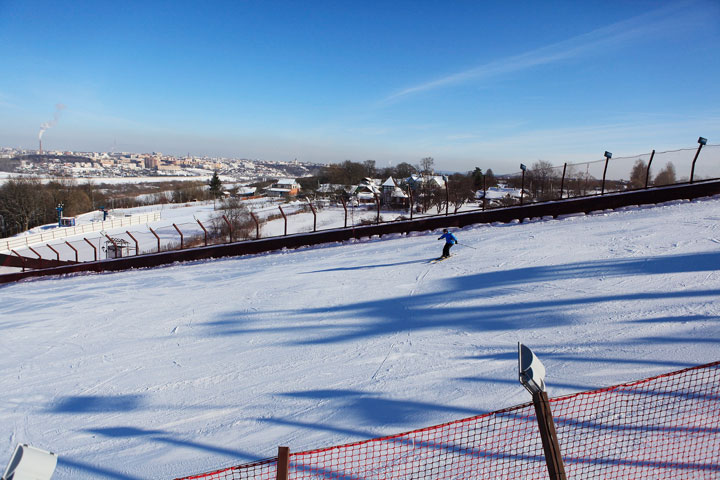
{"x": 487, "y": 84}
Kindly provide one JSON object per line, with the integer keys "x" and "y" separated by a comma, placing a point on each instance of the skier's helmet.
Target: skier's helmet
{"x": 445, "y": 230}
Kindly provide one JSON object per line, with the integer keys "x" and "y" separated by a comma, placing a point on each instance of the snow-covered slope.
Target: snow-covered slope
{"x": 179, "y": 370}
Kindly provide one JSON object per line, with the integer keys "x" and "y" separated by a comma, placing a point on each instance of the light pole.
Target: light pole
{"x": 531, "y": 373}
{"x": 522, "y": 182}
{"x": 59, "y": 213}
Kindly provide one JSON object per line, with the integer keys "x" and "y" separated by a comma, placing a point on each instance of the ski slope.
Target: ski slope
{"x": 166, "y": 372}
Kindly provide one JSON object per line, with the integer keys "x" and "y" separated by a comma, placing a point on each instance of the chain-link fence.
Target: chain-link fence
{"x": 665, "y": 427}
{"x": 544, "y": 182}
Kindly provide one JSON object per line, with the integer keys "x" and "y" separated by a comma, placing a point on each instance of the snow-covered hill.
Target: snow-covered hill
{"x": 179, "y": 370}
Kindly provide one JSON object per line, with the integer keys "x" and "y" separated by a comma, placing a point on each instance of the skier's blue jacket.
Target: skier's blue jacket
{"x": 449, "y": 238}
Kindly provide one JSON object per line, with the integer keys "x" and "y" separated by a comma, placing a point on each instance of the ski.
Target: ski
{"x": 439, "y": 259}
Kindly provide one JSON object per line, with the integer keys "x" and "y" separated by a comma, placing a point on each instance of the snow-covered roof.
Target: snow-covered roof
{"x": 390, "y": 182}
{"x": 398, "y": 193}
{"x": 286, "y": 181}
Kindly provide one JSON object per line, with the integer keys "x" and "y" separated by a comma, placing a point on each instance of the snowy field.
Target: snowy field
{"x": 166, "y": 372}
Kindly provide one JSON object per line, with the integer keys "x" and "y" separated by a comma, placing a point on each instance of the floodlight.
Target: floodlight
{"x": 608, "y": 155}
{"x": 531, "y": 370}
{"x": 523, "y": 167}
{"x": 30, "y": 463}
{"x": 702, "y": 141}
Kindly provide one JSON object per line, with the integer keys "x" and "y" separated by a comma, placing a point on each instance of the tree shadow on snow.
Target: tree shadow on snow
{"x": 449, "y": 308}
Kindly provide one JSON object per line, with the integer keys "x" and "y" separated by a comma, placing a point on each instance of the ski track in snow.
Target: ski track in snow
{"x": 159, "y": 373}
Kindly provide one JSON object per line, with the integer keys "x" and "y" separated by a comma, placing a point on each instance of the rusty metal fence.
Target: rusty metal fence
{"x": 664, "y": 427}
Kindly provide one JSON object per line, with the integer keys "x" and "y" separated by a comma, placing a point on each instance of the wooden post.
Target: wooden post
{"x": 553, "y": 457}
{"x": 562, "y": 181}
{"x": 647, "y": 174}
{"x": 283, "y": 463}
{"x": 156, "y": 236}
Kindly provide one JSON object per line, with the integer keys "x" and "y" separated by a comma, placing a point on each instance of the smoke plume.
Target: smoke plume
{"x": 58, "y": 109}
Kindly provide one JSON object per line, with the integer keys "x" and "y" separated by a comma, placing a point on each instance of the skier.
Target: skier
{"x": 450, "y": 240}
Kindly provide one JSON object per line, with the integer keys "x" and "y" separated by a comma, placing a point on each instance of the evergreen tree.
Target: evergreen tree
{"x": 477, "y": 178}
{"x": 215, "y": 185}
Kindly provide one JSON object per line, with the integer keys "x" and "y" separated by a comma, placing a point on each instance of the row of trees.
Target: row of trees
{"x": 26, "y": 203}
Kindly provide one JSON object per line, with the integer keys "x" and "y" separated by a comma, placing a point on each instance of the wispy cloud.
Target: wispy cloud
{"x": 612, "y": 36}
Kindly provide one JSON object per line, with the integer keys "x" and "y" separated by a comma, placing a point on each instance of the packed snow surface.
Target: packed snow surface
{"x": 165, "y": 372}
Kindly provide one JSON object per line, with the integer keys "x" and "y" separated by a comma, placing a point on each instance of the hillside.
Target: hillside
{"x": 179, "y": 370}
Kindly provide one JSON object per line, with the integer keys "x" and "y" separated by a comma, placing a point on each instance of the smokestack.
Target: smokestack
{"x": 40, "y": 151}
{"x": 58, "y": 108}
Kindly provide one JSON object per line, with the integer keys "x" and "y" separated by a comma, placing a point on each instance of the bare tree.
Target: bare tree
{"x": 542, "y": 174}
{"x": 666, "y": 176}
{"x": 426, "y": 165}
{"x": 638, "y": 174}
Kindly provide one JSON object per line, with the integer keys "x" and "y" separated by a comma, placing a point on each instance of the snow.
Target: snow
{"x": 159, "y": 373}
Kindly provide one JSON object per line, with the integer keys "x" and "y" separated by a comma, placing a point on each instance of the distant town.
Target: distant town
{"x": 125, "y": 164}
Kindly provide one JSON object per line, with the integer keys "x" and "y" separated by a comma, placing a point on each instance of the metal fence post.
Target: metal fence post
{"x": 156, "y": 236}
{"x": 117, "y": 249}
{"x": 22, "y": 259}
{"x": 484, "y": 192}
{"x": 647, "y": 174}
{"x": 93, "y": 247}
{"x": 702, "y": 141}
{"x": 285, "y": 219}
{"x": 182, "y": 238}
{"x": 608, "y": 156}
{"x": 201, "y": 226}
{"x": 39, "y": 256}
{"x": 377, "y": 202}
{"x": 137, "y": 245}
{"x": 562, "y": 180}
{"x": 229, "y": 227}
{"x": 257, "y": 225}
{"x": 74, "y": 250}
{"x": 344, "y": 204}
{"x": 314, "y": 214}
{"x": 57, "y": 254}
{"x": 412, "y": 201}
